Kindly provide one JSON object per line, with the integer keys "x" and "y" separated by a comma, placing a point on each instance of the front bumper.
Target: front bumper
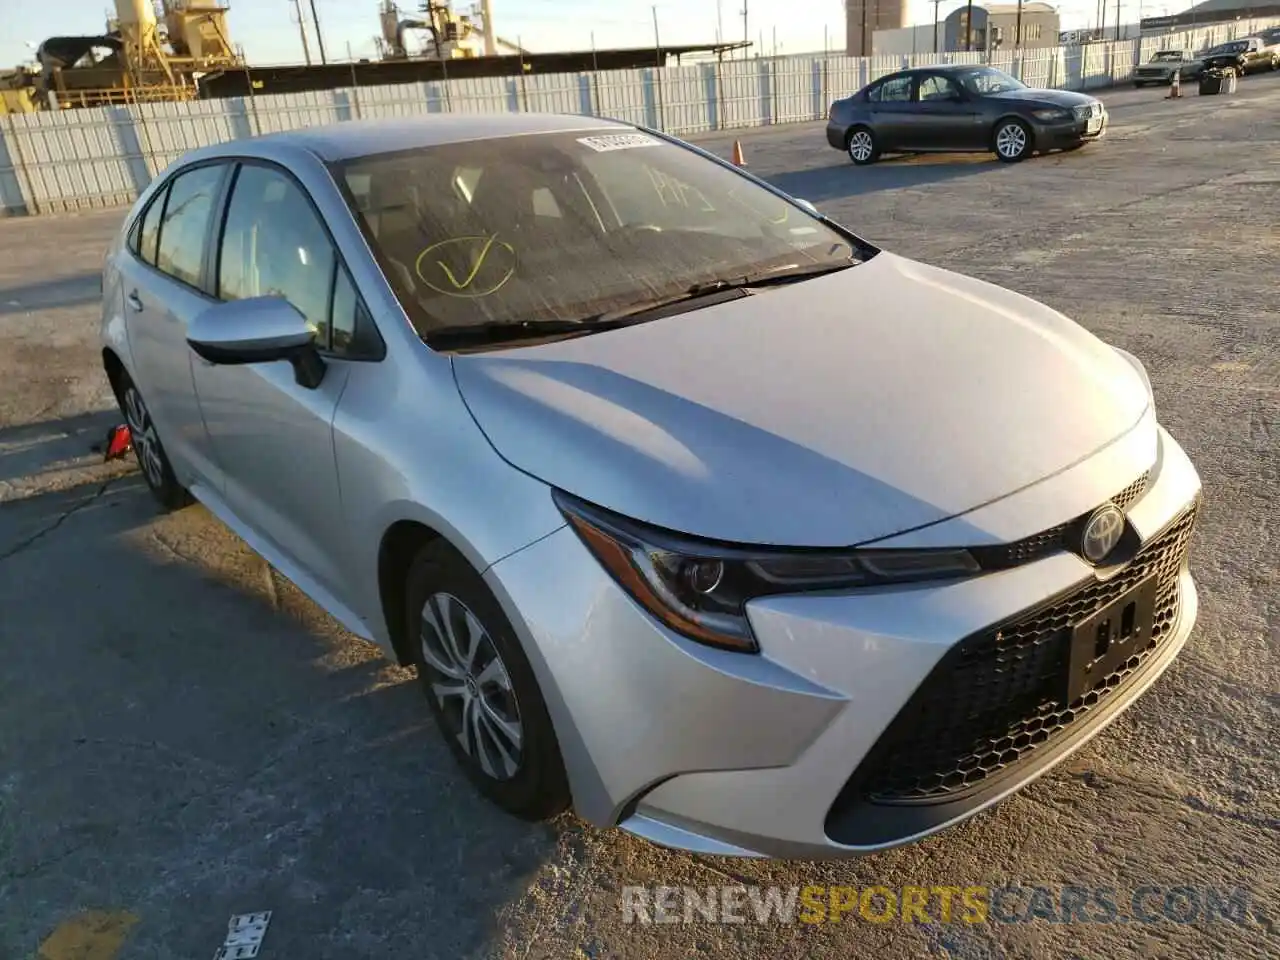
{"x": 730, "y": 754}
{"x": 1068, "y": 132}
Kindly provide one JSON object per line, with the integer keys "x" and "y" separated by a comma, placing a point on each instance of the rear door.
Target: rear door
{"x": 893, "y": 110}
{"x": 273, "y": 437}
{"x": 944, "y": 118}
{"x": 162, "y": 281}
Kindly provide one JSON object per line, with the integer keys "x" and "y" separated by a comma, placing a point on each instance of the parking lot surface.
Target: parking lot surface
{"x": 184, "y": 736}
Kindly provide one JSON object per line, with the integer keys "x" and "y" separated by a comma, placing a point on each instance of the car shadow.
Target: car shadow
{"x": 72, "y": 291}
{"x": 842, "y": 180}
{"x": 33, "y": 449}
{"x": 188, "y": 738}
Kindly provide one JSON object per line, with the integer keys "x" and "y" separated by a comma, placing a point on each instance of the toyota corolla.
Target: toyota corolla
{"x": 693, "y": 509}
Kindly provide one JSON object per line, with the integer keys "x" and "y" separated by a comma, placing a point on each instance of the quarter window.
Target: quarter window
{"x": 148, "y": 233}
{"x": 273, "y": 244}
{"x": 185, "y": 223}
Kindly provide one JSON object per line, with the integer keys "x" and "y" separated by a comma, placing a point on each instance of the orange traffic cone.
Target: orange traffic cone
{"x": 1175, "y": 91}
{"x": 739, "y": 159}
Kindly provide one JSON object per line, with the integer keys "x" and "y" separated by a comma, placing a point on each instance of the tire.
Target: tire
{"x": 1012, "y": 141}
{"x": 861, "y": 146}
{"x": 149, "y": 451}
{"x": 485, "y": 688}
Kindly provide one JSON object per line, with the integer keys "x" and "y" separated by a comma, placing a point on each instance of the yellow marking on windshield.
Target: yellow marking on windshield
{"x": 478, "y": 282}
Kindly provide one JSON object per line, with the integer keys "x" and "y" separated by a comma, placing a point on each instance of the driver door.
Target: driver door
{"x": 945, "y": 117}
{"x": 272, "y": 436}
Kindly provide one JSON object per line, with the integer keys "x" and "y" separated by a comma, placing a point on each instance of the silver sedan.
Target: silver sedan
{"x": 693, "y": 509}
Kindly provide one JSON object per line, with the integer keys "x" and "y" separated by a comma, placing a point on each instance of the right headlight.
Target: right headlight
{"x": 1051, "y": 113}
{"x": 700, "y": 588}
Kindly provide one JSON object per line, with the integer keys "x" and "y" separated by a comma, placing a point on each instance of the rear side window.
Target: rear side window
{"x": 185, "y": 223}
{"x": 273, "y": 244}
{"x": 895, "y": 89}
{"x": 147, "y": 236}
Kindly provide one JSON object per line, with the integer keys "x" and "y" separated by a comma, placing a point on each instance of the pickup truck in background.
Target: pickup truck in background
{"x": 1164, "y": 64}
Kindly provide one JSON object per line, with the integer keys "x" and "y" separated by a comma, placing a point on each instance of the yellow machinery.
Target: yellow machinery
{"x": 152, "y": 50}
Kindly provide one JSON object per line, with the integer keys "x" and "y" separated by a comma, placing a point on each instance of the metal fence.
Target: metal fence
{"x": 105, "y": 156}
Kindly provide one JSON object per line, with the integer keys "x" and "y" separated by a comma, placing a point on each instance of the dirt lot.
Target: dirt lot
{"x": 184, "y": 737}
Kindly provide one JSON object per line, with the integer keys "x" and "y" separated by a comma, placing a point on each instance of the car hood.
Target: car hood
{"x": 1057, "y": 98}
{"x": 830, "y": 412}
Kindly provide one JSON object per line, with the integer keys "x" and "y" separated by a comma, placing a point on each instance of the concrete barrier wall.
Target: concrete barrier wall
{"x": 79, "y": 159}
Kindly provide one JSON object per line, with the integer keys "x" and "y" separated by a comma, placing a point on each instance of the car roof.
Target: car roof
{"x": 356, "y": 138}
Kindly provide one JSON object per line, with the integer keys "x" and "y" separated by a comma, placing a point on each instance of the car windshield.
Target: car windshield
{"x": 568, "y": 227}
{"x": 1236, "y": 47}
{"x": 1167, "y": 55}
{"x": 985, "y": 80}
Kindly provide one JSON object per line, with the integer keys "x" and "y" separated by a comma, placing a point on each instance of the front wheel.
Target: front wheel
{"x": 1012, "y": 141}
{"x": 862, "y": 146}
{"x": 152, "y": 459}
{"x": 481, "y": 687}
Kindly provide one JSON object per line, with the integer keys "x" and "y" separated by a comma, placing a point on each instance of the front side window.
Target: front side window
{"x": 893, "y": 90}
{"x": 987, "y": 80}
{"x": 185, "y": 223}
{"x": 937, "y": 87}
{"x": 568, "y": 226}
{"x": 273, "y": 244}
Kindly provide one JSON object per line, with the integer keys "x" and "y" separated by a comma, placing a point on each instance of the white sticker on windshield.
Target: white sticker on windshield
{"x": 619, "y": 141}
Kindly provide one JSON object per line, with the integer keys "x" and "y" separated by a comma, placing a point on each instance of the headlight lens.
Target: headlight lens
{"x": 700, "y": 589}
{"x": 1051, "y": 113}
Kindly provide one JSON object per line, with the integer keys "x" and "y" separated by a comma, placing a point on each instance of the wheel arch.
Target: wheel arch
{"x": 400, "y": 543}
{"x": 115, "y": 370}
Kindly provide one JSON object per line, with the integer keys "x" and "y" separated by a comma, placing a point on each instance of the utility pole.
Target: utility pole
{"x": 1117, "y": 20}
{"x": 746, "y": 32}
{"x": 864, "y": 49}
{"x": 936, "y": 4}
{"x": 1017, "y": 29}
{"x": 968, "y": 27}
{"x": 657, "y": 43}
{"x": 302, "y": 30}
{"x": 319, "y": 35}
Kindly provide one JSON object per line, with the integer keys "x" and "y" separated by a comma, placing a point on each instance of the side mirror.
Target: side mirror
{"x": 258, "y": 330}
{"x": 808, "y": 206}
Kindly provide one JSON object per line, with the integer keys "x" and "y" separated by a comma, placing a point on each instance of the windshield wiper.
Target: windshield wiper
{"x": 764, "y": 278}
{"x": 483, "y": 334}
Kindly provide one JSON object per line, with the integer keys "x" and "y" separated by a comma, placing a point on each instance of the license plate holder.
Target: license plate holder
{"x": 1107, "y": 638}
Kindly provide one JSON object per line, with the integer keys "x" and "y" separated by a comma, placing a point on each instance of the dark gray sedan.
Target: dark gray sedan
{"x": 961, "y": 108}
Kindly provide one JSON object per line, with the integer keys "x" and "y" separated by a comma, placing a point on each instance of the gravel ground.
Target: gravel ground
{"x": 184, "y": 736}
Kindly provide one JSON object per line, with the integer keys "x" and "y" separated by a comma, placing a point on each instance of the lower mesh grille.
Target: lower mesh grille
{"x": 994, "y": 698}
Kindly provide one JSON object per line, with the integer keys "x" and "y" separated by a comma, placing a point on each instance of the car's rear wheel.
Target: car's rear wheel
{"x": 152, "y": 460}
{"x": 862, "y": 146}
{"x": 1012, "y": 141}
{"x": 481, "y": 688}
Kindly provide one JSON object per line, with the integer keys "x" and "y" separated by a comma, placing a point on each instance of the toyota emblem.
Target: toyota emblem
{"x": 1101, "y": 533}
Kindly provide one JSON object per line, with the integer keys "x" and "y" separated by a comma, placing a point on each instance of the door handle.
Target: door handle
{"x": 134, "y": 301}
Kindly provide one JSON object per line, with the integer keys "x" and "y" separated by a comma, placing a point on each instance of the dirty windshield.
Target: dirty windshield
{"x": 569, "y": 227}
{"x": 1166, "y": 56}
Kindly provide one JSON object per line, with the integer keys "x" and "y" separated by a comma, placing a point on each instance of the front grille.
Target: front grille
{"x": 994, "y": 698}
{"x": 1005, "y": 555}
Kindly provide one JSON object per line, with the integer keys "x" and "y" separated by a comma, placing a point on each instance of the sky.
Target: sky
{"x": 268, "y": 30}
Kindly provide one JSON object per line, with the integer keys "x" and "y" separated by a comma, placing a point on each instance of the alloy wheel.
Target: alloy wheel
{"x": 146, "y": 444}
{"x": 1011, "y": 141}
{"x": 472, "y": 686}
{"x": 861, "y": 146}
